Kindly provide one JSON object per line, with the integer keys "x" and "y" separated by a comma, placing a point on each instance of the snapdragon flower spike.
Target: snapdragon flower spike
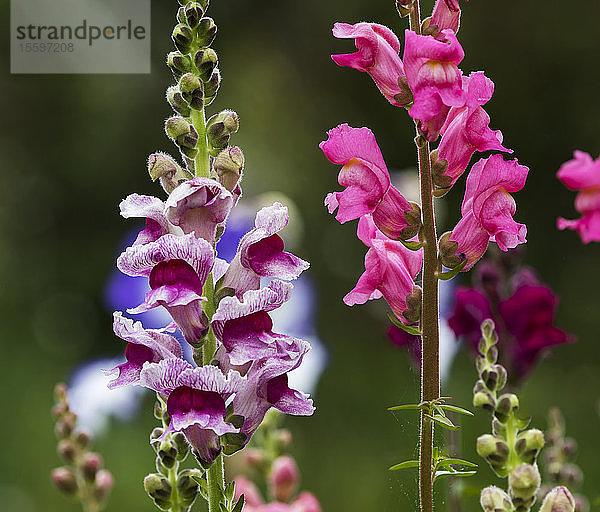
{"x": 377, "y": 54}
{"x": 177, "y": 268}
{"x": 390, "y": 270}
{"x": 431, "y": 67}
{"x": 196, "y": 401}
{"x": 367, "y": 181}
{"x": 244, "y": 326}
{"x": 583, "y": 174}
{"x": 260, "y": 253}
{"x": 466, "y": 129}
{"x": 143, "y": 345}
{"x": 150, "y": 208}
{"x": 198, "y": 206}
{"x": 488, "y": 209}
{"x": 267, "y": 387}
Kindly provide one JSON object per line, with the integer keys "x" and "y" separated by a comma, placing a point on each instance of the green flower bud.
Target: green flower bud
{"x": 193, "y": 12}
{"x": 413, "y": 218}
{"x": 492, "y": 355}
{"x": 58, "y": 410}
{"x": 494, "y": 499}
{"x": 189, "y": 83}
{"x": 182, "y": 37}
{"x": 206, "y": 32}
{"x": 64, "y": 479}
{"x": 155, "y": 434}
{"x": 177, "y": 101}
{"x": 187, "y": 487}
{"x": 485, "y": 400}
{"x": 529, "y": 444}
{"x": 177, "y": 127}
{"x": 167, "y": 453}
{"x": 181, "y": 14}
{"x": 404, "y": 7}
{"x": 487, "y": 445}
{"x": 524, "y": 482}
{"x": 206, "y": 61}
{"x": 157, "y": 487}
{"x": 558, "y": 499}
{"x": 67, "y": 450}
{"x": 506, "y": 405}
{"x": 448, "y": 251}
{"x": 229, "y": 165}
{"x": 212, "y": 86}
{"x": 179, "y": 63}
{"x": 439, "y": 166}
{"x": 181, "y": 444}
{"x": 220, "y": 126}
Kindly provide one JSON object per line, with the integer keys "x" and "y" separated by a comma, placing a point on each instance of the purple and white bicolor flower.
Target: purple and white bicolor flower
{"x": 196, "y": 399}
{"x": 143, "y": 345}
{"x": 245, "y": 328}
{"x": 152, "y": 209}
{"x": 267, "y": 387}
{"x": 260, "y": 253}
{"x": 177, "y": 268}
{"x": 198, "y": 206}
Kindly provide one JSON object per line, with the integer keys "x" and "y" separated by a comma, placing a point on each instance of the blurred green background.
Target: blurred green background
{"x": 73, "y": 146}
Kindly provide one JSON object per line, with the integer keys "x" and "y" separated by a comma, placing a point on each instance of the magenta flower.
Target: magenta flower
{"x": 150, "y": 208}
{"x": 432, "y": 72}
{"x": 198, "y": 206}
{"x": 196, "y": 401}
{"x": 244, "y": 327}
{"x": 390, "y": 270}
{"x": 445, "y": 16}
{"x": 305, "y": 502}
{"x": 267, "y": 386}
{"x": 143, "y": 345}
{"x": 525, "y": 321}
{"x": 487, "y": 209}
{"x": 260, "y": 253}
{"x": 377, "y": 55}
{"x": 177, "y": 268}
{"x": 583, "y": 174}
{"x": 367, "y": 181}
{"x": 466, "y": 129}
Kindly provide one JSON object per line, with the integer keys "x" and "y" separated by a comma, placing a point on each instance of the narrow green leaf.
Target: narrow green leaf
{"x": 405, "y": 465}
{"x": 229, "y": 490}
{"x": 222, "y": 507}
{"x": 239, "y": 505}
{"x": 404, "y": 407}
{"x": 446, "y": 276}
{"x": 458, "y": 462}
{"x": 454, "y": 408}
{"x": 445, "y": 474}
{"x": 442, "y": 421}
{"x": 410, "y": 329}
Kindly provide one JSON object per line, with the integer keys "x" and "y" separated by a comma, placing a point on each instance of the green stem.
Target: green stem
{"x": 216, "y": 484}
{"x": 202, "y": 160}
{"x": 176, "y": 506}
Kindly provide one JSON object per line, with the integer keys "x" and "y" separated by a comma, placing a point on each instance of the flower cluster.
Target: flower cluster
{"x": 583, "y": 174}
{"x": 442, "y": 101}
{"x": 240, "y": 364}
{"x": 525, "y": 316}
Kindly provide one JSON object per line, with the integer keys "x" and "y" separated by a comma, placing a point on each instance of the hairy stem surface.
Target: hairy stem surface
{"x": 430, "y": 365}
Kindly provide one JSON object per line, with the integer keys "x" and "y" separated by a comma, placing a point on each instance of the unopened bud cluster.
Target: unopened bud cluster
{"x": 82, "y": 476}
{"x": 558, "y": 461}
{"x": 171, "y": 449}
{"x": 195, "y": 67}
{"x": 510, "y": 450}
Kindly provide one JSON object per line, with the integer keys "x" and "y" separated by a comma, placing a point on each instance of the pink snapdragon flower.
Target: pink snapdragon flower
{"x": 377, "y": 55}
{"x": 583, "y": 174}
{"x": 304, "y": 502}
{"x": 367, "y": 181}
{"x": 390, "y": 270}
{"x": 488, "y": 209}
{"x": 466, "y": 129}
{"x": 431, "y": 67}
